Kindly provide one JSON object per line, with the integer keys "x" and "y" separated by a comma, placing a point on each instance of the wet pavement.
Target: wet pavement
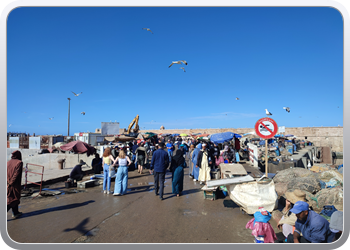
{"x": 90, "y": 216}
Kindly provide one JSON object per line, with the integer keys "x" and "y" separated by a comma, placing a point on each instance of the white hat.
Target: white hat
{"x": 336, "y": 221}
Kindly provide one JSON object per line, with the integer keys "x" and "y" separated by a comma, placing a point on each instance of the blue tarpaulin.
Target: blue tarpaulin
{"x": 222, "y": 137}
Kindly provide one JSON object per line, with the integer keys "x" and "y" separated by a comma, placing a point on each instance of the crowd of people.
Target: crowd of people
{"x": 299, "y": 223}
{"x": 168, "y": 153}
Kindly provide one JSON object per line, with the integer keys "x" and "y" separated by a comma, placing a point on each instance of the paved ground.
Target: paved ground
{"x": 138, "y": 217}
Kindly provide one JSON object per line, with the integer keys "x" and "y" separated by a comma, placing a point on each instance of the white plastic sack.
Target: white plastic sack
{"x": 252, "y": 195}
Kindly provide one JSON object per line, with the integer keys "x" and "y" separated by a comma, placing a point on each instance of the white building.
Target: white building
{"x": 90, "y": 138}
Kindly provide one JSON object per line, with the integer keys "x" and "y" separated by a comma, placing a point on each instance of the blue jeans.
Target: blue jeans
{"x": 106, "y": 178}
{"x": 121, "y": 180}
{"x": 170, "y": 153}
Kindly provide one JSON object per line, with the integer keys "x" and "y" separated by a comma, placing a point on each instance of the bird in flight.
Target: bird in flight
{"x": 10, "y": 125}
{"x": 51, "y": 118}
{"x": 237, "y": 98}
{"x": 267, "y": 112}
{"x": 83, "y": 113}
{"x": 147, "y": 30}
{"x": 178, "y": 62}
{"x": 77, "y": 94}
{"x": 287, "y": 109}
{"x": 183, "y": 69}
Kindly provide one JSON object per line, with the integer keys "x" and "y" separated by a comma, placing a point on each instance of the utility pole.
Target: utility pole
{"x": 68, "y": 114}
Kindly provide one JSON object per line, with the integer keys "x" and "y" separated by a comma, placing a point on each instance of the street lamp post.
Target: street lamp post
{"x": 68, "y": 114}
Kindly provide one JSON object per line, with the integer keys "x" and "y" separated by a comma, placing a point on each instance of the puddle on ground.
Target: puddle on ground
{"x": 187, "y": 212}
{"x": 74, "y": 191}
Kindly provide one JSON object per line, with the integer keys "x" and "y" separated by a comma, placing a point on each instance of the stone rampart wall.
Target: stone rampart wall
{"x": 320, "y": 136}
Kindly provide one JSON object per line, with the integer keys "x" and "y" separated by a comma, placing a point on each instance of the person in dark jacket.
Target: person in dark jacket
{"x": 77, "y": 172}
{"x": 14, "y": 178}
{"x": 97, "y": 164}
{"x": 160, "y": 162}
{"x": 141, "y": 157}
{"x": 133, "y": 149}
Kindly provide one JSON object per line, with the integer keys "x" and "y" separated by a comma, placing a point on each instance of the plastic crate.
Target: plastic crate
{"x": 210, "y": 195}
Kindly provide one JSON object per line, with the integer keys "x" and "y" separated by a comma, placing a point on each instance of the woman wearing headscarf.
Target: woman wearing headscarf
{"x": 195, "y": 171}
{"x": 177, "y": 166}
{"x": 14, "y": 178}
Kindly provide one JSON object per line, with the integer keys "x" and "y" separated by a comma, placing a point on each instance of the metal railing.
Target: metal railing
{"x": 26, "y": 177}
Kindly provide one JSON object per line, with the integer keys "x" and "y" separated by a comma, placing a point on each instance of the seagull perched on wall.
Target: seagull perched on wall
{"x": 147, "y": 30}
{"x": 51, "y": 118}
{"x": 83, "y": 113}
{"x": 183, "y": 69}
{"x": 77, "y": 94}
{"x": 267, "y": 112}
{"x": 287, "y": 109}
{"x": 178, "y": 62}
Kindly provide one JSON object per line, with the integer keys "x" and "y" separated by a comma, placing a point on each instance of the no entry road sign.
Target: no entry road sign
{"x": 266, "y": 128}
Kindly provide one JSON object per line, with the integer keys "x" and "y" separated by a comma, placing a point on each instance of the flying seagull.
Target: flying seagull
{"x": 237, "y": 98}
{"x": 83, "y": 113}
{"x": 178, "y": 62}
{"x": 267, "y": 112}
{"x": 287, "y": 109}
{"x": 77, "y": 94}
{"x": 10, "y": 125}
{"x": 51, "y": 118}
{"x": 147, "y": 30}
{"x": 183, "y": 69}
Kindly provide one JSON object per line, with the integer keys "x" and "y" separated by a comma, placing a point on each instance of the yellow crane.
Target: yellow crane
{"x": 136, "y": 122}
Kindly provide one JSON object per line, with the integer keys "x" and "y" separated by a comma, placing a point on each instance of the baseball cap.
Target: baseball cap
{"x": 299, "y": 207}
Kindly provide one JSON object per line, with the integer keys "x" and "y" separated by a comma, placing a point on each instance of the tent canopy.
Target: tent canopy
{"x": 222, "y": 137}
{"x": 79, "y": 147}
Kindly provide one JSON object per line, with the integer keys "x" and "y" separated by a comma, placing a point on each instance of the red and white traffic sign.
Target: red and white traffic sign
{"x": 266, "y": 128}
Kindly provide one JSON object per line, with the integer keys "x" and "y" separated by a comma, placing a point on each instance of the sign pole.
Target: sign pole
{"x": 266, "y": 128}
{"x": 266, "y": 160}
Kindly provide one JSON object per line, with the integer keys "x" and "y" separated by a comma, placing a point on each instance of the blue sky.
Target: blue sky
{"x": 268, "y": 57}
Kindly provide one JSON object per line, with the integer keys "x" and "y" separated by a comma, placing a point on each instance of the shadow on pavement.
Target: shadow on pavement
{"x": 230, "y": 203}
{"x": 80, "y": 227}
{"x": 53, "y": 209}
